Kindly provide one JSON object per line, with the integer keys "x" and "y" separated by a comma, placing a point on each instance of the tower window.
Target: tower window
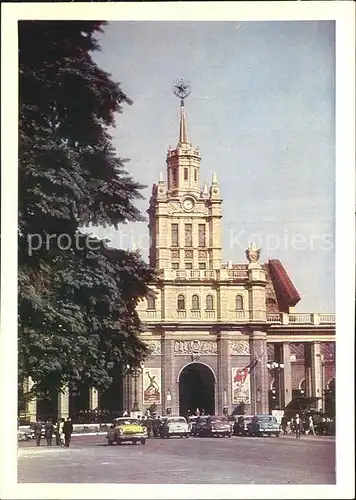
{"x": 188, "y": 235}
{"x": 195, "y": 175}
{"x": 201, "y": 231}
{"x": 151, "y": 301}
{"x": 202, "y": 265}
{"x": 209, "y": 303}
{"x": 185, "y": 174}
{"x": 189, "y": 265}
{"x": 175, "y": 239}
{"x": 181, "y": 303}
{"x": 175, "y": 265}
{"x": 239, "y": 303}
{"x": 195, "y": 303}
{"x": 174, "y": 177}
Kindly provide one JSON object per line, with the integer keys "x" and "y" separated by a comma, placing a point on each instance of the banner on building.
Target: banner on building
{"x": 241, "y": 391}
{"x": 151, "y": 386}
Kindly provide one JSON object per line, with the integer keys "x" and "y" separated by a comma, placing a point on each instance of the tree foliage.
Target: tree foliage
{"x": 77, "y": 297}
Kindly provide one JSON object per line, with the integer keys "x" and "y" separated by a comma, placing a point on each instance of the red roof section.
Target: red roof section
{"x": 286, "y": 293}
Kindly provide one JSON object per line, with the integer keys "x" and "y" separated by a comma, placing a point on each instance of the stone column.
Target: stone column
{"x": 127, "y": 387}
{"x": 287, "y": 374}
{"x": 223, "y": 393}
{"x": 317, "y": 373}
{"x": 93, "y": 398}
{"x": 63, "y": 403}
{"x": 308, "y": 369}
{"x": 259, "y": 375}
{"x": 30, "y": 404}
{"x": 169, "y": 383}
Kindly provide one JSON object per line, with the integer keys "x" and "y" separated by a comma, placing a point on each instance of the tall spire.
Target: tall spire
{"x": 182, "y": 90}
{"x": 183, "y": 132}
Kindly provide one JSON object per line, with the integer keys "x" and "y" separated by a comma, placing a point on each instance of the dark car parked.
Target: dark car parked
{"x": 218, "y": 426}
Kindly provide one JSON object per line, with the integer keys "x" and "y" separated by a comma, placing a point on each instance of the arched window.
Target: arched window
{"x": 151, "y": 301}
{"x": 181, "y": 303}
{"x": 302, "y": 385}
{"x": 331, "y": 385}
{"x": 195, "y": 303}
{"x": 239, "y": 303}
{"x": 209, "y": 303}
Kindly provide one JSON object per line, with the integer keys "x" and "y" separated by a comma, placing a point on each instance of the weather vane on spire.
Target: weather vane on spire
{"x": 182, "y": 90}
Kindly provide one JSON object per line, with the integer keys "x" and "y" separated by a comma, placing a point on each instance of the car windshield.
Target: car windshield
{"x": 126, "y": 421}
{"x": 219, "y": 419}
{"x": 267, "y": 418}
{"x": 177, "y": 420}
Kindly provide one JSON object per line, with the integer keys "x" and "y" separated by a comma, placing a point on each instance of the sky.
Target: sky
{"x": 262, "y": 113}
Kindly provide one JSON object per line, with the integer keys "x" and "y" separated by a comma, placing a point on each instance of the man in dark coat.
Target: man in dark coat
{"x": 67, "y": 431}
{"x": 38, "y": 431}
{"x": 49, "y": 430}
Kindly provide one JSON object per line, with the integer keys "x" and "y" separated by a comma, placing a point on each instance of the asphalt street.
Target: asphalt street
{"x": 267, "y": 460}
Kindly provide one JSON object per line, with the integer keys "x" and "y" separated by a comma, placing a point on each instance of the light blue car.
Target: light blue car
{"x": 263, "y": 425}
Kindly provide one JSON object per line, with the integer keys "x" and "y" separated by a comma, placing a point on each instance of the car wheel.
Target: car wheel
{"x": 277, "y": 434}
{"x": 181, "y": 436}
{"x": 143, "y": 441}
{"x": 229, "y": 435}
{"x": 187, "y": 436}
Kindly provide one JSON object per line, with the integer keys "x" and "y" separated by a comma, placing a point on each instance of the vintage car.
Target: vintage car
{"x": 263, "y": 424}
{"x": 126, "y": 429}
{"x": 174, "y": 426}
{"x": 216, "y": 426}
{"x": 192, "y": 423}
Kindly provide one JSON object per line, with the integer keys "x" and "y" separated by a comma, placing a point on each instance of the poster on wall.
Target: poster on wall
{"x": 152, "y": 386}
{"x": 241, "y": 391}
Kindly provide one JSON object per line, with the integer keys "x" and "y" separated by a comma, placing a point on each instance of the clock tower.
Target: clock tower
{"x": 184, "y": 217}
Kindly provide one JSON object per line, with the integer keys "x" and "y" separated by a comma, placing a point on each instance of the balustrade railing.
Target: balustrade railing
{"x": 327, "y": 318}
{"x": 242, "y": 316}
{"x": 300, "y": 318}
{"x": 204, "y": 274}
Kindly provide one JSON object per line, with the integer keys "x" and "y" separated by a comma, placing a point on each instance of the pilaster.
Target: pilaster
{"x": 308, "y": 369}
{"x": 93, "y": 398}
{"x": 170, "y": 387}
{"x": 63, "y": 403}
{"x": 30, "y": 404}
{"x": 223, "y": 395}
{"x": 259, "y": 375}
{"x": 287, "y": 374}
{"x": 317, "y": 373}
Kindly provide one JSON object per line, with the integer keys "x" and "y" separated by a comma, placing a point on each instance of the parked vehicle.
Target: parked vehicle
{"x": 174, "y": 426}
{"x": 218, "y": 426}
{"x": 126, "y": 429}
{"x": 263, "y": 424}
{"x": 192, "y": 423}
{"x": 240, "y": 427}
{"x": 25, "y": 434}
{"x": 200, "y": 424}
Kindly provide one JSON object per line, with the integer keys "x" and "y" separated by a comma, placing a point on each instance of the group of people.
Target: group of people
{"x": 63, "y": 432}
{"x": 305, "y": 423}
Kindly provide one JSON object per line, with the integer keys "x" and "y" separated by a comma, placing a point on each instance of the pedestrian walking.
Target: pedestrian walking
{"x": 311, "y": 426}
{"x": 38, "y": 431}
{"x": 60, "y": 431}
{"x": 67, "y": 431}
{"x": 49, "y": 430}
{"x": 297, "y": 426}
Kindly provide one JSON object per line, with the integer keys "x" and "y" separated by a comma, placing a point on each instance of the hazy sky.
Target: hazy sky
{"x": 261, "y": 111}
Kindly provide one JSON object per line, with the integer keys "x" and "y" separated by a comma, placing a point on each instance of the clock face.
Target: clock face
{"x": 188, "y": 204}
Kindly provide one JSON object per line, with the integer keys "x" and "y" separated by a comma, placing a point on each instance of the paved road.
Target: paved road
{"x": 283, "y": 460}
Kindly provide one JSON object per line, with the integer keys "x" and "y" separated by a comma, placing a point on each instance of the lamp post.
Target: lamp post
{"x": 276, "y": 369}
{"x": 135, "y": 371}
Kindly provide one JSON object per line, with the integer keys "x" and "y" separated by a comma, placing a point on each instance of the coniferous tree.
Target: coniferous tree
{"x": 77, "y": 297}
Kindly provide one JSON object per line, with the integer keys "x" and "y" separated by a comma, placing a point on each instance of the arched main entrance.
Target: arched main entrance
{"x": 196, "y": 389}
